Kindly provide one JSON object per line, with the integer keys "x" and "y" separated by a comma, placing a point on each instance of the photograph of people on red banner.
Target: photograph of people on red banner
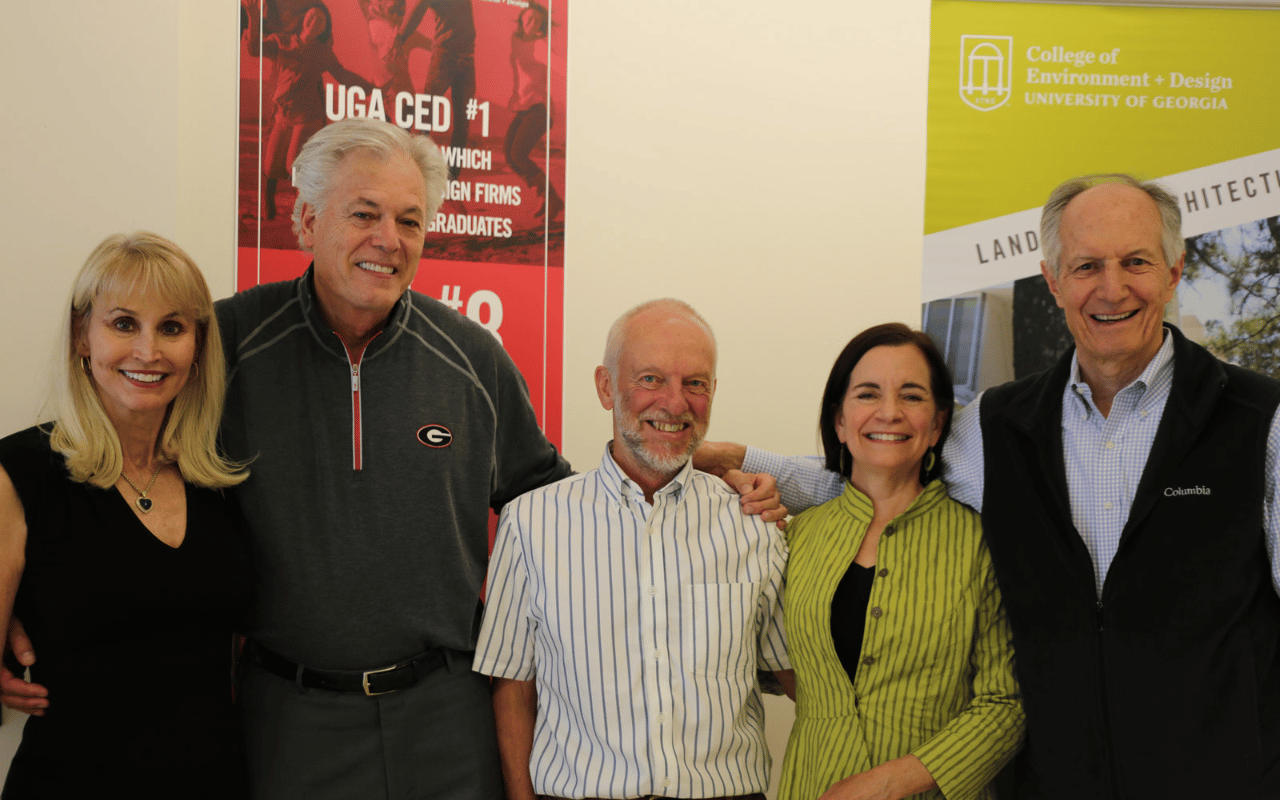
{"x": 485, "y": 79}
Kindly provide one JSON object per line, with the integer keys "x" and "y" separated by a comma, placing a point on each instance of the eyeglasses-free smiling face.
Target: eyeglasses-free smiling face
{"x": 661, "y": 397}
{"x": 140, "y": 351}
{"x": 889, "y": 418}
{"x": 1113, "y": 282}
{"x": 368, "y": 239}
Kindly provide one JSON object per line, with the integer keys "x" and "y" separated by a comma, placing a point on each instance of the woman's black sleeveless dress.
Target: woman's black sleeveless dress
{"x": 133, "y": 639}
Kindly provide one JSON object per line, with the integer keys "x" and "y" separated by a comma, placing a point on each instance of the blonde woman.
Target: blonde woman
{"x": 117, "y": 549}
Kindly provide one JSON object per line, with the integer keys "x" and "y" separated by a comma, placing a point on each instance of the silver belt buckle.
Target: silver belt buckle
{"x": 365, "y": 680}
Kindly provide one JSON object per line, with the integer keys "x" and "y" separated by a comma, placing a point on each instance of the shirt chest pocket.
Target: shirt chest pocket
{"x": 719, "y": 627}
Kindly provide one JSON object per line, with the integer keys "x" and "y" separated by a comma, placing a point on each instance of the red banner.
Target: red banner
{"x": 485, "y": 80}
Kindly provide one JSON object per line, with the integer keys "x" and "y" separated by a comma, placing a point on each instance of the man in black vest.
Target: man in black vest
{"x": 1129, "y": 497}
{"x": 1129, "y": 500}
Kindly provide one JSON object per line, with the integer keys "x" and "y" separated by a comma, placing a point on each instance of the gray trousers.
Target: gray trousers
{"x": 433, "y": 740}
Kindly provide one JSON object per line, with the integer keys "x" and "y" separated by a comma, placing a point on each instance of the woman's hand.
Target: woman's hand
{"x": 892, "y": 780}
{"x": 863, "y": 786}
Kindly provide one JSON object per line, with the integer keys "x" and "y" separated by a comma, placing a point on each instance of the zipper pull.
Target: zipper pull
{"x": 355, "y": 379}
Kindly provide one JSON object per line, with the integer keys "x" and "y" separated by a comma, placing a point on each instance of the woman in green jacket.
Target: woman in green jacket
{"x": 903, "y": 660}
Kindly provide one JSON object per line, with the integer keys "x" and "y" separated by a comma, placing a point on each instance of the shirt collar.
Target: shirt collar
{"x": 624, "y": 488}
{"x": 1156, "y": 372}
{"x": 311, "y": 308}
{"x": 857, "y": 504}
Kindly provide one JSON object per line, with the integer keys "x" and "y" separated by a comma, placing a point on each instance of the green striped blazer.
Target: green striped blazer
{"x": 935, "y": 676}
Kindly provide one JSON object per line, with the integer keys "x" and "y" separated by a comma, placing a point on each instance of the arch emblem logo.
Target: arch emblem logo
{"x": 986, "y": 71}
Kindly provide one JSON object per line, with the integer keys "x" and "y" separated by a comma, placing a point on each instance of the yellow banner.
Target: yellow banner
{"x": 1025, "y": 95}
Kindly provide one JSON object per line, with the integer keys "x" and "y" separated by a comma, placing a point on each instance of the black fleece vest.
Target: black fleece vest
{"x": 1169, "y": 686}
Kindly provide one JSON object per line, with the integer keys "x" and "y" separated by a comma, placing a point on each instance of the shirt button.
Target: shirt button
{"x": 1111, "y": 445}
{"x": 1142, "y": 414}
{"x": 883, "y": 573}
{"x": 876, "y": 612}
{"x": 1107, "y": 505}
{"x": 666, "y": 782}
{"x": 662, "y": 718}
{"x": 653, "y": 591}
{"x": 869, "y": 660}
{"x": 888, "y": 530}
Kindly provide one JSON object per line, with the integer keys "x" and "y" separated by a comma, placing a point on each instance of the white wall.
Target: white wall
{"x": 764, "y": 162}
{"x": 117, "y": 116}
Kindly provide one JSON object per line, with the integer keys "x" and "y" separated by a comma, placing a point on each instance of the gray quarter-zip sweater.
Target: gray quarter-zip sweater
{"x": 371, "y": 482}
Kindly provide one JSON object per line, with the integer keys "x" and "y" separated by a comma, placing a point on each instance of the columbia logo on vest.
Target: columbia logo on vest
{"x": 1170, "y": 491}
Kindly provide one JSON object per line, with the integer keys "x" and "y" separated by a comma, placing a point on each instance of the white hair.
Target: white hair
{"x": 319, "y": 158}
{"x": 617, "y": 332}
{"x": 1171, "y": 242}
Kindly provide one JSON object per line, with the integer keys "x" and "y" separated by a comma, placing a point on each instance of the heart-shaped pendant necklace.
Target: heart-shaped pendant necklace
{"x": 143, "y": 502}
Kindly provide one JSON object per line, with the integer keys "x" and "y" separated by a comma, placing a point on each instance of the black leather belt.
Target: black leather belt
{"x": 752, "y": 796}
{"x": 371, "y": 682}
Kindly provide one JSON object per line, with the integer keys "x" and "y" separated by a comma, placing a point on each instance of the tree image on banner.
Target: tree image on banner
{"x": 1245, "y": 262}
{"x": 1040, "y": 333}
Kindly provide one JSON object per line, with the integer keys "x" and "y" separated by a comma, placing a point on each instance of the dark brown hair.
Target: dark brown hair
{"x": 891, "y": 334}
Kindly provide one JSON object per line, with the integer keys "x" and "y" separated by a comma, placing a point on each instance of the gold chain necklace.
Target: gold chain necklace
{"x": 143, "y": 502}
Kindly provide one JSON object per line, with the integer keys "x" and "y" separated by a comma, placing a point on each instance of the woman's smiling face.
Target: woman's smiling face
{"x": 140, "y": 351}
{"x": 889, "y": 418}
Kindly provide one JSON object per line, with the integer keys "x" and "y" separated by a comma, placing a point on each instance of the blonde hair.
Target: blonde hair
{"x": 123, "y": 265}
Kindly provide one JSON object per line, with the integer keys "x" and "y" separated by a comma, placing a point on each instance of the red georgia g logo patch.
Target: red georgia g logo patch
{"x": 435, "y": 436}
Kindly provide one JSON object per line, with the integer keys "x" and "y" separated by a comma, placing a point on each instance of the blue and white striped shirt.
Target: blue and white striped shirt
{"x": 1105, "y": 457}
{"x": 644, "y": 627}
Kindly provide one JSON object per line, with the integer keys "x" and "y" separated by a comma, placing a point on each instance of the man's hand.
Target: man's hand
{"x": 759, "y": 493}
{"x": 15, "y": 693}
{"x": 719, "y": 458}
